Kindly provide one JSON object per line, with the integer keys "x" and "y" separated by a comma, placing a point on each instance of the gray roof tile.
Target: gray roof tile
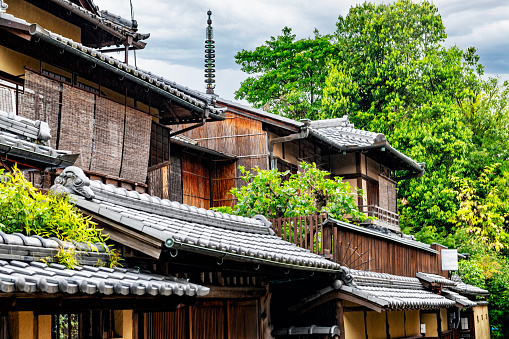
{"x": 36, "y": 276}
{"x": 464, "y": 288}
{"x": 394, "y": 292}
{"x": 194, "y": 229}
{"x": 27, "y": 139}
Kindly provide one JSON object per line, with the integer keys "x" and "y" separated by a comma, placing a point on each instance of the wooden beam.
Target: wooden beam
{"x": 140, "y": 242}
{"x": 303, "y": 308}
{"x": 340, "y": 320}
{"x": 220, "y": 292}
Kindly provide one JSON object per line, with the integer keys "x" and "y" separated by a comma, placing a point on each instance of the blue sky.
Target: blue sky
{"x": 175, "y": 49}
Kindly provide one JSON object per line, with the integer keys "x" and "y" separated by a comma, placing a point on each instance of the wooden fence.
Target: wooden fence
{"x": 306, "y": 232}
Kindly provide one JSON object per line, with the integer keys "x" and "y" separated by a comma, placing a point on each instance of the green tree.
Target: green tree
{"x": 26, "y": 210}
{"x": 287, "y": 75}
{"x": 307, "y": 192}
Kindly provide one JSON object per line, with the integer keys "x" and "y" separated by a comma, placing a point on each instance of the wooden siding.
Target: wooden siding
{"x": 196, "y": 178}
{"x": 205, "y": 320}
{"x": 237, "y": 135}
{"x": 223, "y": 180}
{"x": 158, "y": 180}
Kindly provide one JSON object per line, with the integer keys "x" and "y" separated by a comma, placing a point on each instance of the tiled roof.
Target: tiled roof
{"x": 394, "y": 292}
{"x": 342, "y": 134}
{"x": 27, "y": 264}
{"x": 36, "y": 276}
{"x": 17, "y": 246}
{"x": 194, "y": 229}
{"x": 24, "y": 139}
{"x": 156, "y": 83}
{"x": 464, "y": 288}
{"x": 462, "y": 300}
{"x": 105, "y": 20}
{"x": 435, "y": 279}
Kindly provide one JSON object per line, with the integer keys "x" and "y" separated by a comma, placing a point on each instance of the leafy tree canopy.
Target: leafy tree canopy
{"x": 287, "y": 75}
{"x": 307, "y": 192}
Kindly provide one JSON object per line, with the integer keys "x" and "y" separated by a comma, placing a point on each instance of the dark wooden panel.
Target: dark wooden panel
{"x": 243, "y": 319}
{"x": 196, "y": 180}
{"x": 208, "y": 321}
{"x": 166, "y": 325}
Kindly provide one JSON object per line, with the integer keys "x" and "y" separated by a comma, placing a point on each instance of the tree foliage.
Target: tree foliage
{"x": 287, "y": 75}
{"x": 26, "y": 210}
{"x": 307, "y": 192}
{"x": 390, "y": 72}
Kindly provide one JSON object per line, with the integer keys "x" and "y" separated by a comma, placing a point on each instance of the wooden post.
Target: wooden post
{"x": 340, "y": 320}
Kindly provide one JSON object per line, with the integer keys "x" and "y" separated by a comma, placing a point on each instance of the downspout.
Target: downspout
{"x": 303, "y": 134}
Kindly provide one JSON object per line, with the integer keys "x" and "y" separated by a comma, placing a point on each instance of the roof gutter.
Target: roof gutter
{"x": 99, "y": 23}
{"x": 303, "y": 134}
{"x": 39, "y": 32}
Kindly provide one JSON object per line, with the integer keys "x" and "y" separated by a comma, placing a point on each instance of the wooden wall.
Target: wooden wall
{"x": 205, "y": 320}
{"x": 237, "y": 135}
{"x": 383, "y": 255}
{"x": 112, "y": 139}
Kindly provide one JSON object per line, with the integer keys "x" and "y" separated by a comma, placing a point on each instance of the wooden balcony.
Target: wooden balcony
{"x": 362, "y": 248}
{"x": 383, "y": 217}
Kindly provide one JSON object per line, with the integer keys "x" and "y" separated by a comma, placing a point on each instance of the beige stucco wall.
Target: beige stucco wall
{"x": 354, "y": 325}
{"x": 21, "y": 325}
{"x": 413, "y": 322}
{"x": 481, "y": 322}
{"x": 14, "y": 63}
{"x": 44, "y": 327}
{"x": 396, "y": 323}
{"x": 124, "y": 323}
{"x": 431, "y": 322}
{"x": 32, "y": 14}
{"x": 376, "y": 325}
{"x": 343, "y": 164}
{"x": 443, "y": 319}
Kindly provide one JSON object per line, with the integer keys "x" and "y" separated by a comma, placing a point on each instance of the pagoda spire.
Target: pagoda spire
{"x": 209, "y": 57}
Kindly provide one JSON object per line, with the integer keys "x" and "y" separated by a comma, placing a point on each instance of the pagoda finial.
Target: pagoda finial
{"x": 209, "y": 57}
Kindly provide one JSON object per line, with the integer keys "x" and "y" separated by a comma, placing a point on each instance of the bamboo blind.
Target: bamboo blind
{"x": 108, "y": 137}
{"x": 77, "y": 124}
{"x": 136, "y": 146}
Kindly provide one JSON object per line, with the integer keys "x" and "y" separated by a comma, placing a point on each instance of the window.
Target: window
{"x": 464, "y": 323}
{"x": 65, "y": 326}
{"x": 91, "y": 324}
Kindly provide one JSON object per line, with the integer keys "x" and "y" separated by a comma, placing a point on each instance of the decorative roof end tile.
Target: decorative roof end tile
{"x": 74, "y": 181}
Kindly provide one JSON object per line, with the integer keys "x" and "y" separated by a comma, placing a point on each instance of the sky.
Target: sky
{"x": 175, "y": 49}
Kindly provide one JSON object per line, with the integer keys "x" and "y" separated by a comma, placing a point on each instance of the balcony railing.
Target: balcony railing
{"x": 384, "y": 217}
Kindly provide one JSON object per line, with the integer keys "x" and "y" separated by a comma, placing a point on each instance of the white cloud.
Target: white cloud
{"x": 178, "y": 31}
